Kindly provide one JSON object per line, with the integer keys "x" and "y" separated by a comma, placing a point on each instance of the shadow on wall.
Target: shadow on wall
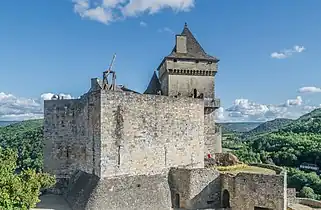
{"x": 80, "y": 188}
{"x": 195, "y": 196}
{"x": 87, "y": 191}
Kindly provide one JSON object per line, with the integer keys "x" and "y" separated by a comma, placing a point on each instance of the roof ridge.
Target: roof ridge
{"x": 194, "y": 48}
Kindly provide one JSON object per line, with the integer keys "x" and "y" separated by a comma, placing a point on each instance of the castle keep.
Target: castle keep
{"x": 109, "y": 133}
{"x": 114, "y": 148}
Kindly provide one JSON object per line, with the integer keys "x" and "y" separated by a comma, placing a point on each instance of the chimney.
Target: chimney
{"x": 181, "y": 46}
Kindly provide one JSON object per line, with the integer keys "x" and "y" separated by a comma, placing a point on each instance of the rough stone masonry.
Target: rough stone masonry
{"x": 118, "y": 149}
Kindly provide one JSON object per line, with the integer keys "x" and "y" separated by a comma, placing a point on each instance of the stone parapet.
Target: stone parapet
{"x": 212, "y": 104}
{"x": 309, "y": 202}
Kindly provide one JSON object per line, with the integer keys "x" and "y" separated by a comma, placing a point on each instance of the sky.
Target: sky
{"x": 269, "y": 50}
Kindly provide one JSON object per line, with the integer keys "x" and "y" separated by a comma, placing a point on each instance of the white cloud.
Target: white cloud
{"x": 143, "y": 24}
{"x": 246, "y": 110}
{"x": 99, "y": 13}
{"x": 18, "y": 108}
{"x": 167, "y": 30}
{"x": 135, "y": 7}
{"x": 294, "y": 102}
{"x": 309, "y": 90}
{"x": 13, "y": 108}
{"x": 106, "y": 11}
{"x": 288, "y": 52}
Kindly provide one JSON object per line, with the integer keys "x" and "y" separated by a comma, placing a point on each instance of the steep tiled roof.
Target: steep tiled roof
{"x": 154, "y": 85}
{"x": 194, "y": 49}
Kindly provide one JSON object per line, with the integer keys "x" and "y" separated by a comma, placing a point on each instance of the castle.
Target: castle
{"x": 114, "y": 148}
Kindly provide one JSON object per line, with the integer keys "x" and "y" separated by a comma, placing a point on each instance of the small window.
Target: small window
{"x": 195, "y": 93}
{"x": 210, "y": 62}
{"x": 197, "y": 61}
{"x": 175, "y": 60}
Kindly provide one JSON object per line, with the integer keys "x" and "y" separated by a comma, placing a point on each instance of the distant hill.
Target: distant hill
{"x": 313, "y": 114}
{"x": 238, "y": 127}
{"x": 308, "y": 123}
{"x": 269, "y": 126}
{"x": 5, "y": 123}
{"x": 286, "y": 143}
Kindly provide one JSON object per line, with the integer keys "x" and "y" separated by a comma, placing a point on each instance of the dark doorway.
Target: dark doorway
{"x": 177, "y": 201}
{"x": 226, "y": 199}
{"x": 261, "y": 208}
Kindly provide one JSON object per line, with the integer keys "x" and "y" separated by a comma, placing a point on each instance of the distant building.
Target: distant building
{"x": 309, "y": 166}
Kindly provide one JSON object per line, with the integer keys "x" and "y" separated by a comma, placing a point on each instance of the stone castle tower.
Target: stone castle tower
{"x": 114, "y": 132}
{"x": 114, "y": 148}
{"x": 188, "y": 71}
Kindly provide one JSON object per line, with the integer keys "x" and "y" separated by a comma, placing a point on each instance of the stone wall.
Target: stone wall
{"x": 72, "y": 135}
{"x": 185, "y": 85}
{"x": 93, "y": 146}
{"x": 309, "y": 202}
{"x": 291, "y": 194}
{"x": 246, "y": 191}
{"x": 195, "y": 188}
{"x": 212, "y": 135}
{"x": 89, "y": 192}
{"x": 194, "y": 75}
{"x": 144, "y": 134}
{"x": 64, "y": 139}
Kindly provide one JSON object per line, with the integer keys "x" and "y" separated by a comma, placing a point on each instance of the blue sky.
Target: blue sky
{"x": 56, "y": 46}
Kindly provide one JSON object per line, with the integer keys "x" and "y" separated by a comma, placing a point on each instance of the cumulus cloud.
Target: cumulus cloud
{"x": 13, "y": 108}
{"x": 288, "y": 52}
{"x": 246, "y": 110}
{"x": 309, "y": 90}
{"x": 143, "y": 24}
{"x": 106, "y": 11}
{"x": 294, "y": 102}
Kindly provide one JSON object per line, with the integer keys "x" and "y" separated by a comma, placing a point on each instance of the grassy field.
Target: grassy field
{"x": 244, "y": 168}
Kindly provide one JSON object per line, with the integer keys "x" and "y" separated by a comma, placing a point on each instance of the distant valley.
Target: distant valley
{"x": 238, "y": 127}
{"x": 5, "y": 123}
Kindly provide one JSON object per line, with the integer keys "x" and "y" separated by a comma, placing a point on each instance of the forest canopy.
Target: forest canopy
{"x": 21, "y": 162}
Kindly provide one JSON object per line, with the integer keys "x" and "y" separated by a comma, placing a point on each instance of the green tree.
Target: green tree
{"x": 307, "y": 192}
{"x": 19, "y": 190}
